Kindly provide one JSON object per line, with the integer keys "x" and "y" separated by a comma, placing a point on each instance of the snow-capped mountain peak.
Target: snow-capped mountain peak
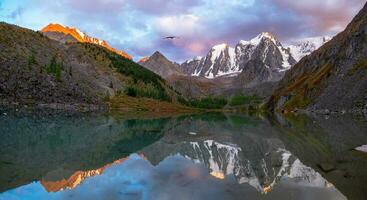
{"x": 217, "y": 50}
{"x": 220, "y": 47}
{"x": 219, "y": 55}
{"x": 303, "y": 47}
{"x": 265, "y": 50}
{"x": 256, "y": 40}
{"x": 264, "y": 35}
{"x": 223, "y": 60}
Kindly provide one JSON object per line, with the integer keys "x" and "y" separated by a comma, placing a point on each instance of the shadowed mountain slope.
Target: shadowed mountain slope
{"x": 333, "y": 77}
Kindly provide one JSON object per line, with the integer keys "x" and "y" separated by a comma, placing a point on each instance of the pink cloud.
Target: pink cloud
{"x": 324, "y": 15}
{"x": 196, "y": 47}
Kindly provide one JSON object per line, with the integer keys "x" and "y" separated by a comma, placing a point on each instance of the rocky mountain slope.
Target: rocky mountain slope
{"x": 248, "y": 68}
{"x": 190, "y": 87}
{"x": 69, "y": 34}
{"x": 37, "y": 70}
{"x": 198, "y": 87}
{"x": 160, "y": 65}
{"x": 333, "y": 77}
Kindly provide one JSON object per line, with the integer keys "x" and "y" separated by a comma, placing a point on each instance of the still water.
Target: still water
{"x": 208, "y": 156}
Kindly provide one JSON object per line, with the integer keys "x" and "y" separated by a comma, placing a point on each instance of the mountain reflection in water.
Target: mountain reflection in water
{"x": 77, "y": 178}
{"x": 228, "y": 157}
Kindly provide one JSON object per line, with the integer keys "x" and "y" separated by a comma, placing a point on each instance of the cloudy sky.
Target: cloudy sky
{"x": 137, "y": 26}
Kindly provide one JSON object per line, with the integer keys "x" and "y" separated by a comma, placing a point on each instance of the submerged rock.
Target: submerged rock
{"x": 326, "y": 167}
{"x": 362, "y": 148}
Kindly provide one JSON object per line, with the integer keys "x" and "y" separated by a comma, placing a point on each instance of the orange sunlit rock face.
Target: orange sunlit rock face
{"x": 78, "y": 177}
{"x": 72, "y": 182}
{"x": 82, "y": 37}
{"x": 218, "y": 175}
{"x": 267, "y": 189}
{"x": 144, "y": 59}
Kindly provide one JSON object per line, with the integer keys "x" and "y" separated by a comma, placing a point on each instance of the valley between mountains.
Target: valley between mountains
{"x": 63, "y": 68}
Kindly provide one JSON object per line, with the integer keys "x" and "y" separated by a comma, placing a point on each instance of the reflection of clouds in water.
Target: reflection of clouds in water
{"x": 115, "y": 182}
{"x": 173, "y": 178}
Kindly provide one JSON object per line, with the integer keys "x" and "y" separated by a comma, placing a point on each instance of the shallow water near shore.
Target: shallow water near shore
{"x": 204, "y": 156}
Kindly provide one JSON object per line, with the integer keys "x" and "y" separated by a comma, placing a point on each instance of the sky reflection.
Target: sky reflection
{"x": 174, "y": 178}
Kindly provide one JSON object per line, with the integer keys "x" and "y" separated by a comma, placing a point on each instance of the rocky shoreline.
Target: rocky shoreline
{"x": 52, "y": 107}
{"x": 327, "y": 112}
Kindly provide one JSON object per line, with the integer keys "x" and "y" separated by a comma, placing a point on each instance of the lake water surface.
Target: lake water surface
{"x": 207, "y": 156}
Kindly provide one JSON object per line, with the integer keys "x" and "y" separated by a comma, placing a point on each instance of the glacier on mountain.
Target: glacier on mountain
{"x": 303, "y": 47}
{"x": 265, "y": 48}
{"x": 223, "y": 60}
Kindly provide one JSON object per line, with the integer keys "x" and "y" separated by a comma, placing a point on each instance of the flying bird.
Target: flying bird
{"x": 171, "y": 37}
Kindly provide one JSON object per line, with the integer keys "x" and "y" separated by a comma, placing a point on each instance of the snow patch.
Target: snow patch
{"x": 80, "y": 33}
{"x": 223, "y": 50}
{"x": 217, "y": 51}
{"x": 197, "y": 72}
{"x": 300, "y": 172}
{"x": 303, "y": 47}
{"x": 306, "y": 175}
{"x": 231, "y": 155}
{"x": 192, "y": 133}
{"x": 362, "y": 148}
{"x": 196, "y": 58}
{"x": 285, "y": 56}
